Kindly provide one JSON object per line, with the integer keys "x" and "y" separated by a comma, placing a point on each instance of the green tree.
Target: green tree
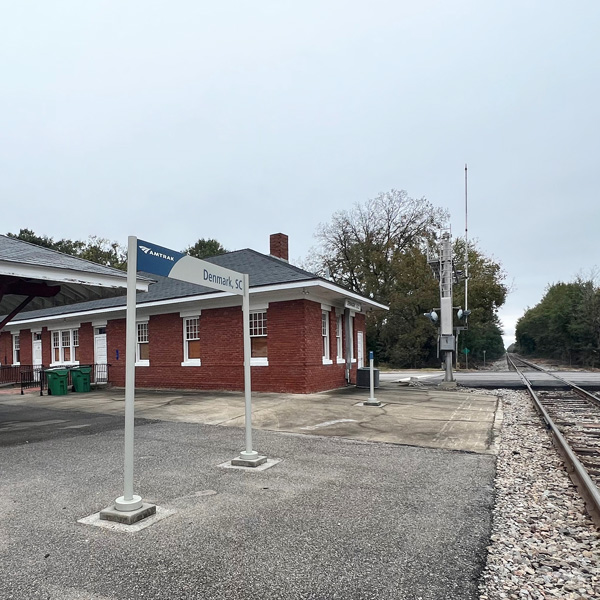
{"x": 377, "y": 249}
{"x": 104, "y": 252}
{"x": 404, "y": 337}
{"x": 486, "y": 294}
{"x": 362, "y": 248}
{"x": 96, "y": 249}
{"x": 564, "y": 325}
{"x": 205, "y": 248}
{"x": 65, "y": 246}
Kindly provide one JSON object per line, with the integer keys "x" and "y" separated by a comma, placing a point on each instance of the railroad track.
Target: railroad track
{"x": 573, "y": 420}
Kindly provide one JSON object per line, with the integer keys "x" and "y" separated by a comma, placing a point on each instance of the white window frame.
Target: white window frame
{"x": 139, "y": 362}
{"x": 57, "y": 341}
{"x": 339, "y": 340}
{"x": 187, "y": 361}
{"x": 326, "y": 338}
{"x": 259, "y": 331}
{"x": 16, "y": 349}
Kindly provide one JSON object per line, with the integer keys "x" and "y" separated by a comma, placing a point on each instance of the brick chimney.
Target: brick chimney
{"x": 279, "y": 246}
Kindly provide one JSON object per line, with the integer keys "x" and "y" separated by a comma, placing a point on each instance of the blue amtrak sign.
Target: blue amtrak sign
{"x": 156, "y": 259}
{"x": 159, "y": 260}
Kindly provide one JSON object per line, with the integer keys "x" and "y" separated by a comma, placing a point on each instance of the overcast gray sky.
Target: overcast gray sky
{"x": 235, "y": 119}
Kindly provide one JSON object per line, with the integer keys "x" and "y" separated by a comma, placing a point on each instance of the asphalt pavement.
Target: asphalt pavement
{"x": 335, "y": 518}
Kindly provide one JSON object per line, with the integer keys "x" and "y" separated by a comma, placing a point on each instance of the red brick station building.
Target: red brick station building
{"x": 307, "y": 333}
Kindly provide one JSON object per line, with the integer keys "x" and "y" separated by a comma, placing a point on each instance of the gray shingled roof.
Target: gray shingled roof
{"x": 19, "y": 251}
{"x": 262, "y": 269}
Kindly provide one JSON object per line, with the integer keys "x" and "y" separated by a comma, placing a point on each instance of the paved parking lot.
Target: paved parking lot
{"x": 339, "y": 517}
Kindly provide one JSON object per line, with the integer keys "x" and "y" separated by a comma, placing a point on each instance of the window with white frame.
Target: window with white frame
{"x": 16, "y": 339}
{"x": 325, "y": 333}
{"x": 142, "y": 347}
{"x": 191, "y": 341}
{"x": 338, "y": 338}
{"x": 65, "y": 346}
{"x": 258, "y": 334}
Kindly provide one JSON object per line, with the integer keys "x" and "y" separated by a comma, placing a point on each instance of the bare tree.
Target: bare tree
{"x": 361, "y": 248}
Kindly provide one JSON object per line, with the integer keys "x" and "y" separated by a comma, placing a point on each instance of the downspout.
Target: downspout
{"x": 348, "y": 344}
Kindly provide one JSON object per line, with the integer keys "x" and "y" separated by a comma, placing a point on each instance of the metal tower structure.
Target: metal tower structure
{"x": 442, "y": 266}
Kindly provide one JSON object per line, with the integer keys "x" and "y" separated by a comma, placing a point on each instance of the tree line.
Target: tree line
{"x": 377, "y": 249}
{"x": 564, "y": 325}
{"x": 105, "y": 252}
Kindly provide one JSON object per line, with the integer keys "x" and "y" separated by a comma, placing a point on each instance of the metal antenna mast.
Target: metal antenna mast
{"x": 466, "y": 244}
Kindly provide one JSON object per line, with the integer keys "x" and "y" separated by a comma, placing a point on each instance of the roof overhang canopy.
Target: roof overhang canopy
{"x": 37, "y": 286}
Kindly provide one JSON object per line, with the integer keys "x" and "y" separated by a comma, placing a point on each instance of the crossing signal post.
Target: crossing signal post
{"x": 442, "y": 265}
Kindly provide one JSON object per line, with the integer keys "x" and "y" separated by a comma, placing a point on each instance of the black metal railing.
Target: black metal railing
{"x": 33, "y": 376}
{"x": 9, "y": 374}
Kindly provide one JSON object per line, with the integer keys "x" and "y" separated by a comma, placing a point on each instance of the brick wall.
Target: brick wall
{"x": 294, "y": 347}
{"x": 46, "y": 346}
{"x": 26, "y": 344}
{"x": 5, "y": 348}
{"x": 85, "y": 353}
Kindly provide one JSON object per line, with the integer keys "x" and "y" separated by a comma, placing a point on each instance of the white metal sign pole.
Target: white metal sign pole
{"x": 128, "y": 501}
{"x": 372, "y": 401}
{"x": 248, "y": 453}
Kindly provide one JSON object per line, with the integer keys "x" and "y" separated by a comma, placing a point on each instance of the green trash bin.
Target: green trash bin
{"x": 57, "y": 381}
{"x": 80, "y": 377}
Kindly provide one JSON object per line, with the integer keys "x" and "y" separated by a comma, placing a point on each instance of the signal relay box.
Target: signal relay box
{"x": 447, "y": 342}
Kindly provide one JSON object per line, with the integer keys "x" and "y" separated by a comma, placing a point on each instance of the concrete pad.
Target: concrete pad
{"x": 423, "y": 416}
{"x": 97, "y": 521}
{"x": 267, "y": 464}
{"x": 250, "y": 463}
{"x": 128, "y": 517}
{"x": 429, "y": 418}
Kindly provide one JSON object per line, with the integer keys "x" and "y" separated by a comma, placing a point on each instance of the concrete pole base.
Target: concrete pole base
{"x": 128, "y": 517}
{"x": 448, "y": 385}
{"x": 372, "y": 402}
{"x": 248, "y": 459}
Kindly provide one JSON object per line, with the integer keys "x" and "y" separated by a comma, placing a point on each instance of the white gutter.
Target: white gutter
{"x": 315, "y": 283}
{"x": 66, "y": 275}
{"x": 323, "y": 284}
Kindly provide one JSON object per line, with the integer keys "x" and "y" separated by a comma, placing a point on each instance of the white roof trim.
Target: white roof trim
{"x": 324, "y": 284}
{"x": 62, "y": 275}
{"x": 313, "y": 283}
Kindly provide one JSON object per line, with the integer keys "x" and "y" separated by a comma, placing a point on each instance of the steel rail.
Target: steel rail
{"x": 578, "y": 390}
{"x": 513, "y": 357}
{"x": 577, "y": 472}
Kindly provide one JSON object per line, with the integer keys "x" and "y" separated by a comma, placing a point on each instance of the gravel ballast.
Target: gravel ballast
{"x": 543, "y": 544}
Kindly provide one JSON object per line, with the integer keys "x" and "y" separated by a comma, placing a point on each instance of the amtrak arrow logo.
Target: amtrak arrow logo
{"x": 151, "y": 252}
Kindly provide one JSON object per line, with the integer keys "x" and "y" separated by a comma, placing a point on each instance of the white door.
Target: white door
{"x": 360, "y": 350}
{"x": 36, "y": 347}
{"x": 100, "y": 356}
